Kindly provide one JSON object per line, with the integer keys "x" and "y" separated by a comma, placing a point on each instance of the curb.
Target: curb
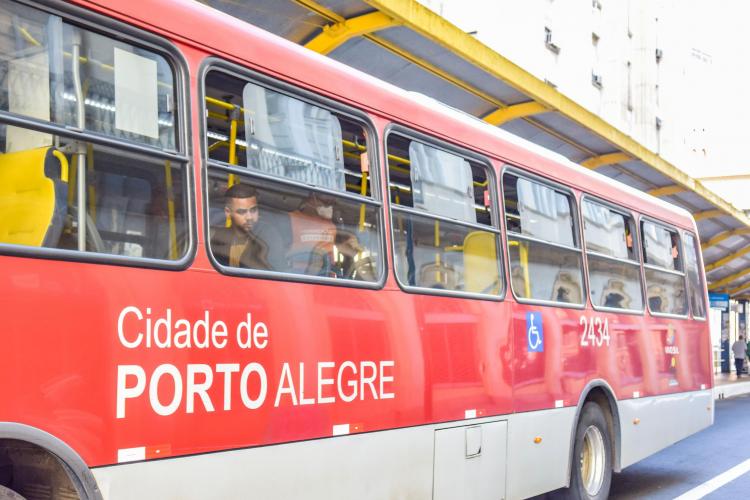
{"x": 731, "y": 390}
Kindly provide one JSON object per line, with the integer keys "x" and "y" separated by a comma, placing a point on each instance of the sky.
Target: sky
{"x": 721, "y": 27}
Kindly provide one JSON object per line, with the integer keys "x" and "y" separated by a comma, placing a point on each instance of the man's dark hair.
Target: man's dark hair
{"x": 240, "y": 191}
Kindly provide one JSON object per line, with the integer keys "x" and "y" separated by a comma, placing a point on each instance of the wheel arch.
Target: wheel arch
{"x": 600, "y": 392}
{"x": 75, "y": 468}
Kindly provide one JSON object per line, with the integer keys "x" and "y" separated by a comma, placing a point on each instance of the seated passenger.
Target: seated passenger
{"x": 313, "y": 235}
{"x": 239, "y": 245}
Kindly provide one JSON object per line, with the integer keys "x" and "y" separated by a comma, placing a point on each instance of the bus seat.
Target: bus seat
{"x": 438, "y": 275}
{"x": 33, "y": 193}
{"x": 481, "y": 274}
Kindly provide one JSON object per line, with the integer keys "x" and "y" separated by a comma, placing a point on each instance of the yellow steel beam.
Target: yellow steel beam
{"x": 739, "y": 289}
{"x": 609, "y": 159}
{"x": 434, "y": 70}
{"x": 708, "y": 214}
{"x": 320, "y": 10}
{"x": 437, "y": 29}
{"x": 729, "y": 279}
{"x": 736, "y": 177}
{"x": 509, "y": 113}
{"x": 728, "y": 258}
{"x": 338, "y": 33}
{"x": 667, "y": 191}
{"x": 725, "y": 235}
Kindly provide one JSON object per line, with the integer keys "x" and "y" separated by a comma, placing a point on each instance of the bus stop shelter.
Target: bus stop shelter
{"x": 408, "y": 45}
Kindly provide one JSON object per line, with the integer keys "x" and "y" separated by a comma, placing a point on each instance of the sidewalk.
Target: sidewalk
{"x": 727, "y": 385}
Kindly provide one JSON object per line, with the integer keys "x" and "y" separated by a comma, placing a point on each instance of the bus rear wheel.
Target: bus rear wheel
{"x": 591, "y": 470}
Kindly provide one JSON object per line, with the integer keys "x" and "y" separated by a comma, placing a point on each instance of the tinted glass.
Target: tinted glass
{"x": 536, "y": 210}
{"x": 615, "y": 284}
{"x": 446, "y": 256}
{"x": 607, "y": 232}
{"x": 271, "y": 227}
{"x": 665, "y": 292}
{"x": 661, "y": 247}
{"x": 695, "y": 283}
{"x": 128, "y": 92}
{"x": 437, "y": 182}
{"x": 544, "y": 272}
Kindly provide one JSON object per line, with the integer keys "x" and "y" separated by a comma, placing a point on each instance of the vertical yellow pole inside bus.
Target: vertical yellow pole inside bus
{"x": 92, "y": 189}
{"x": 363, "y": 192}
{"x": 232, "y": 180}
{"x": 170, "y": 210}
{"x": 437, "y": 253}
{"x": 523, "y": 250}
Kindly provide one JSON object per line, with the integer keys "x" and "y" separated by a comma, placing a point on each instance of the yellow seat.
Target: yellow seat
{"x": 33, "y": 186}
{"x": 481, "y": 274}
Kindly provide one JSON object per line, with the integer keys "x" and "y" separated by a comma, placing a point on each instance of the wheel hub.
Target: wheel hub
{"x": 593, "y": 460}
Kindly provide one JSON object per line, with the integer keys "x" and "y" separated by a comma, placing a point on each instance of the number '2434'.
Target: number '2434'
{"x": 594, "y": 331}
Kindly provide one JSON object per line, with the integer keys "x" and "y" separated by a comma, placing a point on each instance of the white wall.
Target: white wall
{"x": 636, "y": 89}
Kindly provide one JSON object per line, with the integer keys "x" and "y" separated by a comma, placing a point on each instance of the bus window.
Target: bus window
{"x": 66, "y": 190}
{"x": 444, "y": 235}
{"x": 289, "y": 185}
{"x": 614, "y": 266}
{"x": 694, "y": 277}
{"x": 665, "y": 279}
{"x": 543, "y": 247}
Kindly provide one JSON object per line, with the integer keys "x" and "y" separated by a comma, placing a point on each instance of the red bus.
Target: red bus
{"x": 232, "y": 267}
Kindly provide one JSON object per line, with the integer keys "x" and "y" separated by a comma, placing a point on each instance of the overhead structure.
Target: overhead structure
{"x": 408, "y": 45}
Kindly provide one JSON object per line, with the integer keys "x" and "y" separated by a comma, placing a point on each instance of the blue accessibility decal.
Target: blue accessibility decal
{"x": 534, "y": 331}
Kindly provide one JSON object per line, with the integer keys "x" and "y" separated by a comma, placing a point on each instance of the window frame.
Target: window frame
{"x": 576, "y": 227}
{"x": 248, "y": 75}
{"x": 429, "y": 140}
{"x": 701, "y": 274}
{"x": 636, "y": 245}
{"x": 669, "y": 227}
{"x": 115, "y": 29}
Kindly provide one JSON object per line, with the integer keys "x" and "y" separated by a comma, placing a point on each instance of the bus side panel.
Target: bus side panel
{"x": 638, "y": 356}
{"x": 651, "y": 424}
{"x": 267, "y": 361}
{"x": 338, "y": 468}
{"x": 537, "y": 467}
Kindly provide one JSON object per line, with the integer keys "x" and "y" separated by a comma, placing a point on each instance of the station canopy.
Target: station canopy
{"x": 410, "y": 46}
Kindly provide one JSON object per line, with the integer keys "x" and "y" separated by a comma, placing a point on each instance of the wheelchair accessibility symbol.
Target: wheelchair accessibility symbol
{"x": 534, "y": 332}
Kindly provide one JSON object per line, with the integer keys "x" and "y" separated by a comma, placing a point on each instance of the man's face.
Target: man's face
{"x": 243, "y": 213}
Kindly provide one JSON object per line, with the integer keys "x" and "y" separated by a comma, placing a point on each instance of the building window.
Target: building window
{"x": 549, "y": 41}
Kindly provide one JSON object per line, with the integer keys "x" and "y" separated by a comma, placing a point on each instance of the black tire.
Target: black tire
{"x": 8, "y": 494}
{"x": 591, "y": 468}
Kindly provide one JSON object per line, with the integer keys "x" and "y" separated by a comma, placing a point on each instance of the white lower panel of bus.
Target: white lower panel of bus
{"x": 651, "y": 424}
{"x": 491, "y": 458}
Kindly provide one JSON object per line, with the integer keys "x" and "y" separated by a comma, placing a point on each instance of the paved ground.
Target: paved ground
{"x": 695, "y": 460}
